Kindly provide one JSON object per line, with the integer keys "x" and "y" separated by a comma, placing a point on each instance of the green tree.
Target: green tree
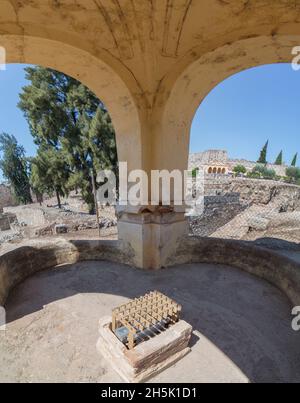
{"x": 66, "y": 116}
{"x": 195, "y": 172}
{"x": 279, "y": 159}
{"x": 263, "y": 154}
{"x": 294, "y": 161}
{"x": 239, "y": 169}
{"x": 15, "y": 167}
{"x": 261, "y": 171}
{"x": 293, "y": 174}
{"x": 50, "y": 173}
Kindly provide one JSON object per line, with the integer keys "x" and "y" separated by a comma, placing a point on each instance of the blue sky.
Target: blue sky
{"x": 12, "y": 120}
{"x": 245, "y": 110}
{"x": 239, "y": 115}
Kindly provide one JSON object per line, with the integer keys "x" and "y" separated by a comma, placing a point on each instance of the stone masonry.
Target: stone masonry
{"x": 216, "y": 159}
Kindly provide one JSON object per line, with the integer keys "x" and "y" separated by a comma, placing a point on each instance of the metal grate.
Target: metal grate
{"x": 144, "y": 317}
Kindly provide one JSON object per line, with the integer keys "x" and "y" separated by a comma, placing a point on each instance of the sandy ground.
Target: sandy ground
{"x": 105, "y": 234}
{"x": 242, "y": 325}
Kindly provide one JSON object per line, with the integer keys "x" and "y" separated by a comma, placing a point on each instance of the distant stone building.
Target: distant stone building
{"x": 218, "y": 162}
{"x": 212, "y": 161}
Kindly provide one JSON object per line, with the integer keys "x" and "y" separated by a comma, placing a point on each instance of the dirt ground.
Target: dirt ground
{"x": 242, "y": 325}
{"x": 105, "y": 233}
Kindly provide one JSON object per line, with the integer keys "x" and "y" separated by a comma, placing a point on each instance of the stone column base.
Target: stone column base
{"x": 151, "y": 237}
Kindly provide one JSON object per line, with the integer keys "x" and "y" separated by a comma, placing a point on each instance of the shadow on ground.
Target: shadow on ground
{"x": 236, "y": 317}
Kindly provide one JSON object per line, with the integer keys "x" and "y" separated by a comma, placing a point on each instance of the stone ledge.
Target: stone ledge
{"x": 30, "y": 257}
{"x": 148, "y": 358}
{"x": 279, "y": 270}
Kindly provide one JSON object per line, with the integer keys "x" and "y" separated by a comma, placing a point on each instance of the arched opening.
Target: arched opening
{"x": 210, "y": 170}
{"x": 98, "y": 76}
{"x": 255, "y": 139}
{"x": 55, "y": 137}
{"x": 200, "y": 77}
{"x": 108, "y": 81}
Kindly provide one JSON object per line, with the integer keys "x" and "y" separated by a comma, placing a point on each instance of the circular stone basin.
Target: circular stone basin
{"x": 242, "y": 325}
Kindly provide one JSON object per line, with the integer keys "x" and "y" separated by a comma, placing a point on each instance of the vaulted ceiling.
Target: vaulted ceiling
{"x": 149, "y": 38}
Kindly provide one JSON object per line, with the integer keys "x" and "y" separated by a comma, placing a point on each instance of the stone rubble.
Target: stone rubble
{"x": 248, "y": 209}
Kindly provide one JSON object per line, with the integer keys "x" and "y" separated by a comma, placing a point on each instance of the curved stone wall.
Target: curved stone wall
{"x": 34, "y": 256}
{"x": 277, "y": 269}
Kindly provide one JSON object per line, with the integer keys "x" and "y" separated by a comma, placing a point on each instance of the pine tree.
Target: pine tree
{"x": 279, "y": 159}
{"x": 67, "y": 117}
{"x": 50, "y": 173}
{"x": 263, "y": 154}
{"x": 15, "y": 167}
{"x": 294, "y": 161}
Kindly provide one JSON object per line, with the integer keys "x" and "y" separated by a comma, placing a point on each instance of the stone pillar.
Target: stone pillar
{"x": 151, "y": 234}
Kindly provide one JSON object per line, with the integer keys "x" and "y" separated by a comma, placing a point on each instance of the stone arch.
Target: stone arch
{"x": 219, "y": 170}
{"x": 224, "y": 171}
{"x": 210, "y": 170}
{"x": 101, "y": 78}
{"x": 215, "y": 170}
{"x": 199, "y": 78}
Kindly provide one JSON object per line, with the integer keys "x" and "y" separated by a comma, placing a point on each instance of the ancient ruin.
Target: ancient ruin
{"x": 218, "y": 162}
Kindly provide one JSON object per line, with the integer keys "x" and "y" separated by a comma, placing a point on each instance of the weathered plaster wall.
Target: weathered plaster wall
{"x": 34, "y": 256}
{"x": 278, "y": 270}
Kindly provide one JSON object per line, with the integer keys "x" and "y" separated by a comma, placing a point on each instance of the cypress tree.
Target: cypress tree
{"x": 294, "y": 161}
{"x": 14, "y": 166}
{"x": 263, "y": 154}
{"x": 279, "y": 159}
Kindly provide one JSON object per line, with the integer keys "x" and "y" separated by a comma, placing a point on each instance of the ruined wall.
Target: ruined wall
{"x": 6, "y": 197}
{"x": 236, "y": 204}
{"x": 279, "y": 169}
{"x": 259, "y": 191}
{"x": 284, "y": 196}
{"x": 29, "y": 215}
{"x": 208, "y": 157}
{"x": 220, "y": 158}
{"x": 218, "y": 211}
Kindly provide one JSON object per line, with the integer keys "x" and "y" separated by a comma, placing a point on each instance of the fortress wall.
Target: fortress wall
{"x": 279, "y": 169}
{"x": 220, "y": 158}
{"x": 258, "y": 191}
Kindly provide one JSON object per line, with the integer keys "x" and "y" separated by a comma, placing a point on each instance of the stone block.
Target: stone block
{"x": 4, "y": 223}
{"x": 61, "y": 229}
{"x": 258, "y": 223}
{"x": 148, "y": 358}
